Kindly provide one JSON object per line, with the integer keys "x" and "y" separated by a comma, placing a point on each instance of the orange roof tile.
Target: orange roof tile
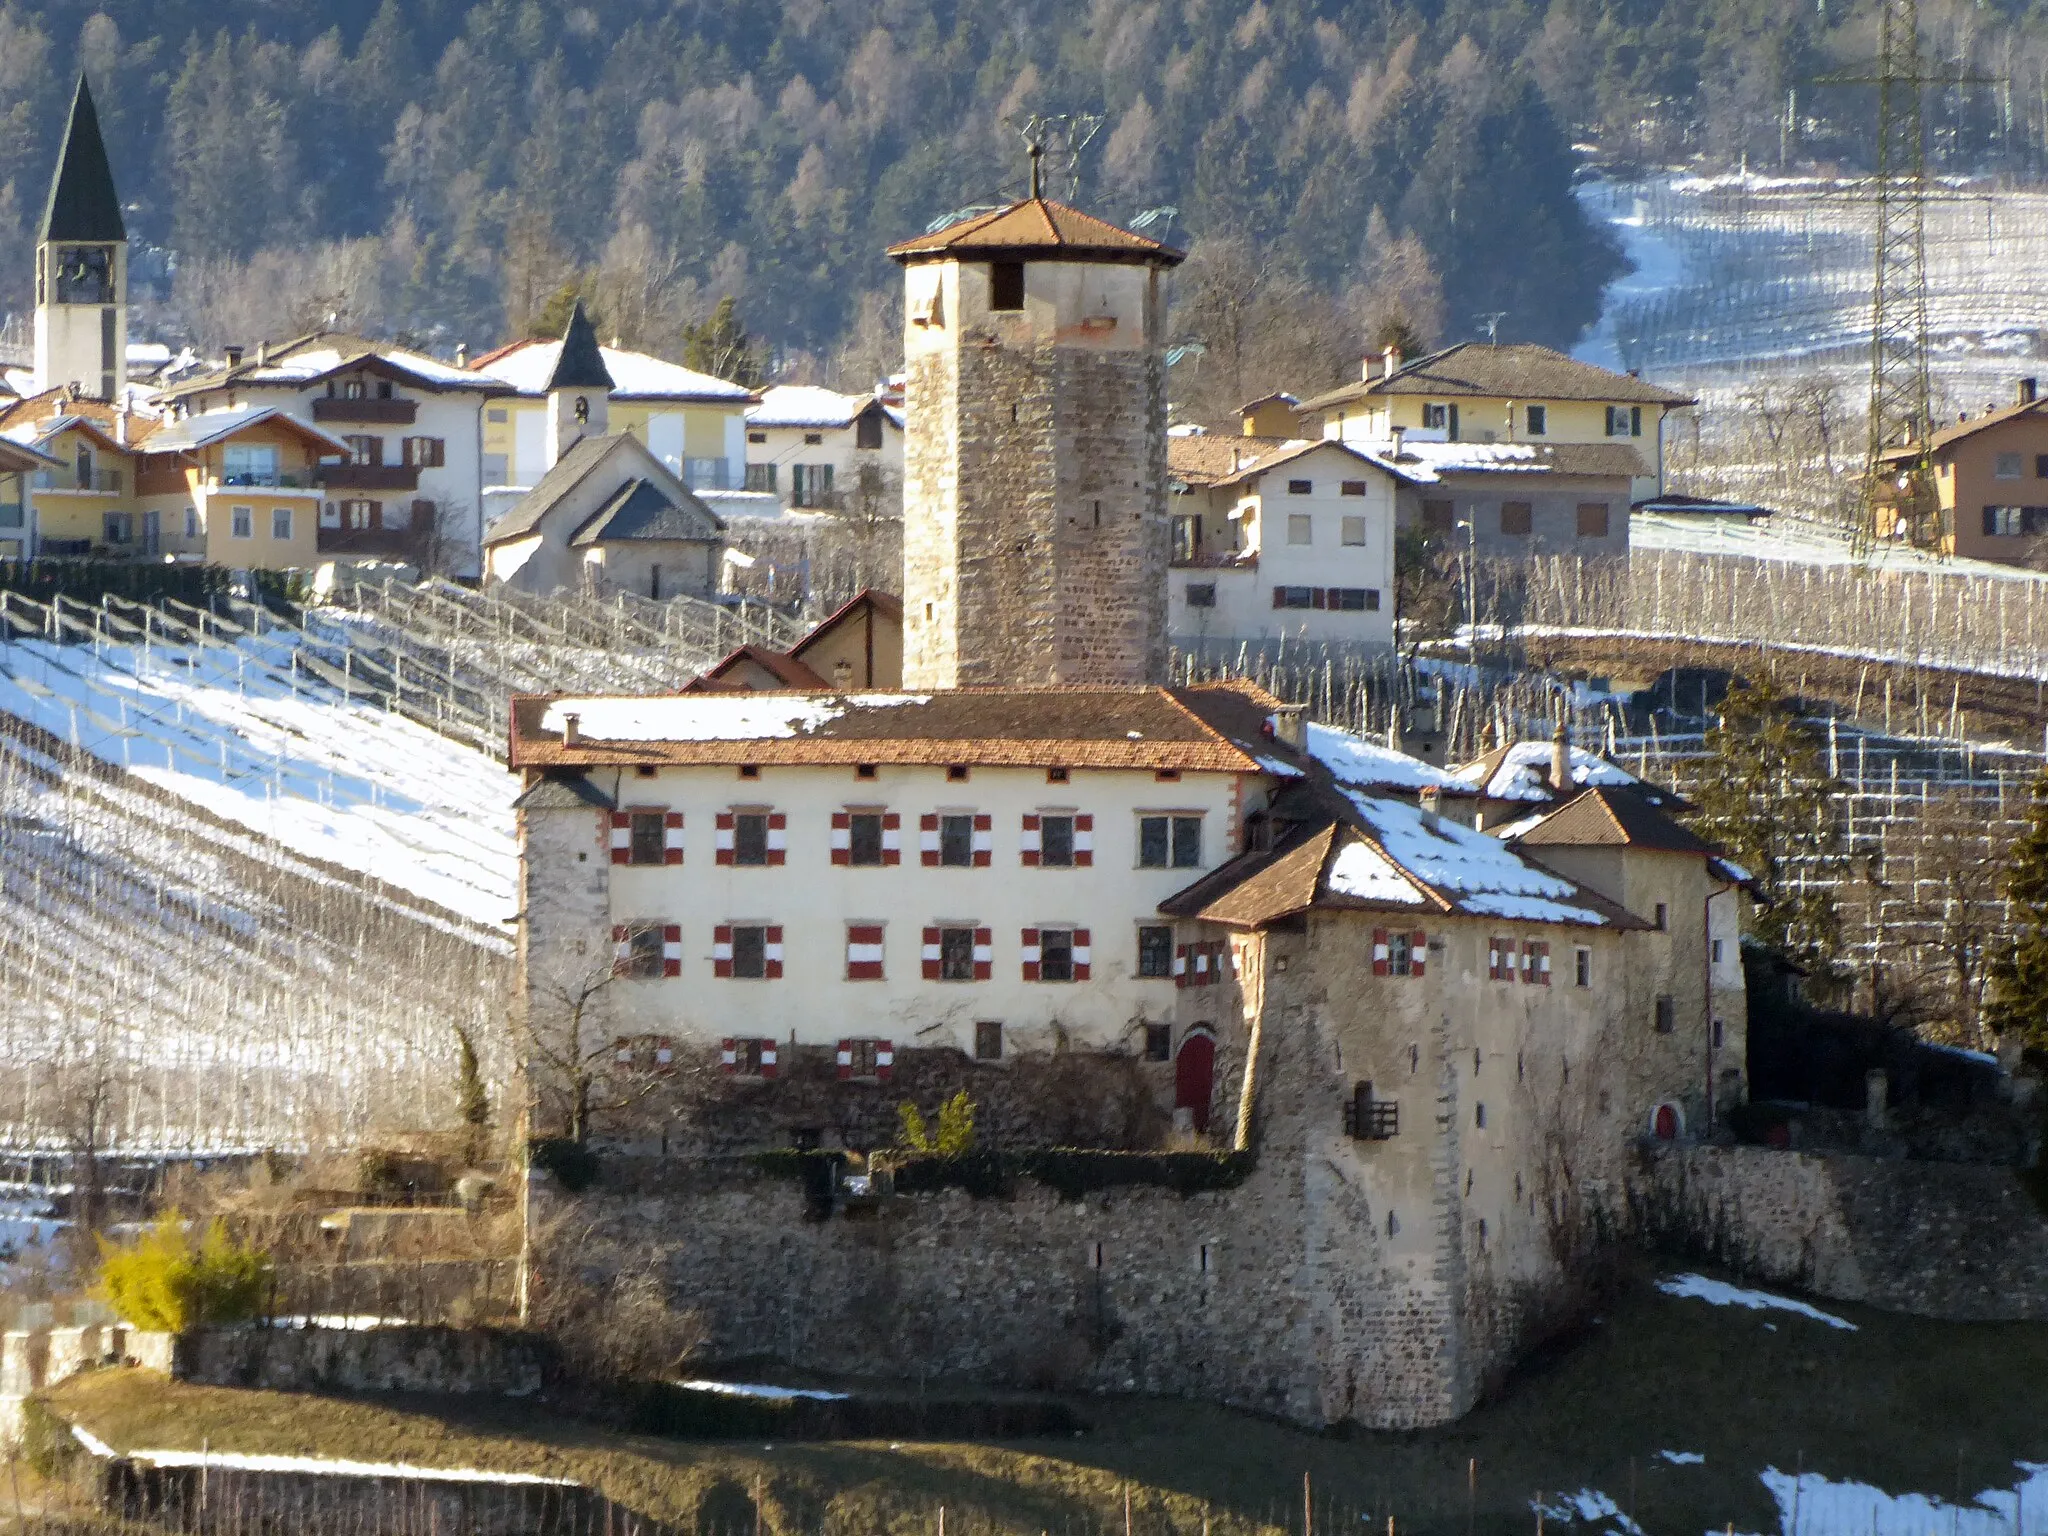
{"x": 1038, "y": 226}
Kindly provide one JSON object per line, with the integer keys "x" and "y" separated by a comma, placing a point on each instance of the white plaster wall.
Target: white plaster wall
{"x": 785, "y": 447}
{"x": 812, "y": 900}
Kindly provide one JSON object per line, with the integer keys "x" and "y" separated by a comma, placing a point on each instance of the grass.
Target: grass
{"x": 1905, "y": 1404}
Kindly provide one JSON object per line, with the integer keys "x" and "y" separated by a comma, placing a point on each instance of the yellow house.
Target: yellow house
{"x": 693, "y": 423}
{"x": 1475, "y": 392}
{"x": 236, "y": 488}
{"x": 85, "y": 499}
{"x": 19, "y": 466}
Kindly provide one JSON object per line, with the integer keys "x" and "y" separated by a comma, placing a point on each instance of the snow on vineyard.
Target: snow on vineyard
{"x": 237, "y": 731}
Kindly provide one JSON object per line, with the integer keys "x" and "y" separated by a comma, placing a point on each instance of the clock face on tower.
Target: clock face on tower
{"x": 84, "y": 274}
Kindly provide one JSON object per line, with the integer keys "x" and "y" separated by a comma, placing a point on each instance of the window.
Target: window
{"x": 647, "y": 836}
{"x": 1300, "y": 528}
{"x": 1187, "y": 536}
{"x": 1294, "y": 597}
{"x": 1720, "y": 1031}
{"x": 1059, "y": 842}
{"x": 1006, "y": 285}
{"x": 1536, "y": 963}
{"x": 2041, "y": 466}
{"x": 810, "y": 485}
{"x": 1500, "y": 959}
{"x": 1582, "y": 967}
{"x": 867, "y": 429}
{"x": 748, "y": 1058}
{"x": 647, "y": 951}
{"x": 384, "y": 390}
{"x": 1155, "y": 951}
{"x": 813, "y": 439}
{"x": 1055, "y": 954}
{"x": 1367, "y": 1118}
{"x": 1515, "y": 518}
{"x": 761, "y": 477}
{"x": 191, "y": 522}
{"x": 863, "y": 951}
{"x": 242, "y": 523}
{"x": 988, "y": 1040}
{"x": 1399, "y": 954}
{"x": 865, "y": 1059}
{"x": 956, "y": 841}
{"x": 757, "y": 437}
{"x": 1159, "y": 1042}
{"x": 866, "y": 839}
{"x": 1438, "y": 517}
{"x": 1355, "y": 599}
{"x": 1624, "y": 421}
{"x": 747, "y": 951}
{"x": 956, "y": 773}
{"x": 2011, "y": 522}
{"x": 1199, "y": 965}
{"x": 281, "y": 523}
{"x": 752, "y": 838}
{"x": 364, "y": 449}
{"x": 1663, "y": 918}
{"x": 1667, "y": 1016}
{"x": 1201, "y": 594}
{"x": 117, "y": 527}
{"x": 426, "y": 452}
{"x": 1057, "y": 775}
{"x": 1301, "y": 488}
{"x": 1435, "y": 418}
{"x": 2007, "y": 466}
{"x": 956, "y": 954}
{"x": 1538, "y": 418}
{"x": 1714, "y": 951}
{"x": 498, "y": 415}
{"x": 1592, "y": 519}
{"x": 1479, "y": 1123}
{"x": 1352, "y": 488}
{"x": 1169, "y": 842}
{"x": 1351, "y": 531}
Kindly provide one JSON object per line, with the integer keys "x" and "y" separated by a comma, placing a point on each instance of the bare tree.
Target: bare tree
{"x": 571, "y": 1047}
{"x": 1259, "y": 326}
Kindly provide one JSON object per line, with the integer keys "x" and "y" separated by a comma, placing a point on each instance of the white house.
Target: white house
{"x": 814, "y": 447}
{"x": 1274, "y": 538}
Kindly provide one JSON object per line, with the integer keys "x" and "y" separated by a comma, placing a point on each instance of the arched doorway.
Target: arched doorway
{"x": 1666, "y": 1123}
{"x": 1194, "y": 1075}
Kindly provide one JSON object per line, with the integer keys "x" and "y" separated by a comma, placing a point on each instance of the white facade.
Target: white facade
{"x": 1303, "y": 549}
{"x": 817, "y": 903}
{"x": 808, "y": 447}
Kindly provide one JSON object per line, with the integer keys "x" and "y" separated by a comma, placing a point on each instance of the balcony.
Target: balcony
{"x": 370, "y": 477}
{"x": 382, "y": 413}
{"x": 267, "y": 480}
{"x": 400, "y": 543}
{"x": 1215, "y": 560}
{"x": 99, "y": 482}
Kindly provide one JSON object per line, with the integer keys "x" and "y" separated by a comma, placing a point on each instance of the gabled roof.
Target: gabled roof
{"x": 1423, "y": 463}
{"x": 784, "y": 668}
{"x": 1635, "y": 816}
{"x": 18, "y": 458}
{"x": 1513, "y": 371}
{"x": 1036, "y": 227}
{"x": 525, "y": 367}
{"x": 564, "y": 792}
{"x": 584, "y": 455}
{"x": 25, "y": 421}
{"x": 307, "y": 360}
{"x": 1521, "y": 771}
{"x": 1960, "y": 430}
{"x": 83, "y": 204}
{"x": 808, "y": 405}
{"x": 883, "y": 605}
{"x": 1673, "y": 504}
{"x": 579, "y": 364}
{"x": 207, "y": 427}
{"x": 1219, "y": 459}
{"x": 643, "y": 510}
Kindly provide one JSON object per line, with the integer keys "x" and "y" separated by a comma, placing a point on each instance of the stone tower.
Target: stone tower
{"x": 82, "y": 266}
{"x": 1034, "y": 468}
{"x": 579, "y": 390}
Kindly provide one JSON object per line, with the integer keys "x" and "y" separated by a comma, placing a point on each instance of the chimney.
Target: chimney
{"x": 1400, "y": 437}
{"x": 1432, "y": 807}
{"x": 462, "y": 354}
{"x": 234, "y": 356}
{"x": 2030, "y": 391}
{"x": 572, "y": 730}
{"x": 1290, "y": 726}
{"x": 121, "y": 420}
{"x": 1561, "y": 761}
{"x": 1390, "y": 361}
{"x": 262, "y": 354}
{"x": 842, "y": 675}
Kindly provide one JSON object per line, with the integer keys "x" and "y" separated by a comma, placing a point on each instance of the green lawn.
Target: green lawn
{"x": 1903, "y": 1404}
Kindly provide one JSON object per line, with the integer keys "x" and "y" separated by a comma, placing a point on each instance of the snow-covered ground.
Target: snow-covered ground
{"x": 239, "y": 732}
{"x": 1720, "y": 1293}
{"x": 1802, "y": 542}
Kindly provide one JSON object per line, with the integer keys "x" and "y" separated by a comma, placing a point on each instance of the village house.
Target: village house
{"x": 1280, "y": 538}
{"x": 857, "y": 646}
{"x": 1991, "y": 481}
{"x": 19, "y": 467}
{"x": 815, "y": 448}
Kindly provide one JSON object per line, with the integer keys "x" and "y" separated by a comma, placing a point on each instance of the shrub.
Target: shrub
{"x": 163, "y": 1280}
{"x": 955, "y": 1134}
{"x": 573, "y": 1165}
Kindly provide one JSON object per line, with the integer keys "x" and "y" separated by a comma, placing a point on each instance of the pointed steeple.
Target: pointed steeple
{"x": 581, "y": 365}
{"x": 83, "y": 205}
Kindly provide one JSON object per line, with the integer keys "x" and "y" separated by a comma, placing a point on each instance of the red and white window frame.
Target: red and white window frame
{"x": 1033, "y": 952}
{"x": 885, "y": 1059}
{"x": 671, "y": 950}
{"x": 864, "y": 951}
{"x": 1501, "y": 963}
{"x": 1031, "y": 839}
{"x": 1536, "y": 962}
{"x": 671, "y": 833}
{"x": 1386, "y": 963}
{"x": 933, "y": 956}
{"x": 1201, "y": 964}
{"x": 731, "y": 1049}
{"x": 842, "y": 834}
{"x": 983, "y": 847}
{"x": 725, "y": 833}
{"x": 771, "y": 951}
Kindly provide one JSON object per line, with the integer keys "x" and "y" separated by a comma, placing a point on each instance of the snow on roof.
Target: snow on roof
{"x": 1473, "y": 869}
{"x": 1359, "y": 764}
{"x": 1424, "y": 462}
{"x": 323, "y": 360}
{"x": 526, "y": 369}
{"x": 806, "y": 405}
{"x": 1363, "y": 871}
{"x": 198, "y": 430}
{"x": 710, "y": 716}
{"x": 1523, "y": 772}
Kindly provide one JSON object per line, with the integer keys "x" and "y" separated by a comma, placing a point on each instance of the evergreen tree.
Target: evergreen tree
{"x": 1766, "y": 799}
{"x": 721, "y": 347}
{"x": 2018, "y": 1006}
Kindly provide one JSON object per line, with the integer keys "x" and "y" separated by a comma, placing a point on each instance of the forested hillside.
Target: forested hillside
{"x": 442, "y": 168}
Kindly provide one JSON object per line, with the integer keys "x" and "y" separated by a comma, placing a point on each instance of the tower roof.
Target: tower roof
{"x": 1041, "y": 228}
{"x": 581, "y": 364}
{"x": 83, "y": 205}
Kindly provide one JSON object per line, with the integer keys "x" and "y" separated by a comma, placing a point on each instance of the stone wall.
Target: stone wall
{"x": 481, "y": 1361}
{"x": 1961, "y": 1241}
{"x": 32, "y": 1359}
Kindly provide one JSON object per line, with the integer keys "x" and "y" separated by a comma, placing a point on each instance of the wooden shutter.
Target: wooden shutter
{"x": 1031, "y": 954}
{"x": 892, "y": 838}
{"x": 771, "y": 964}
{"x": 842, "y": 837}
{"x": 622, "y": 949}
{"x": 768, "y": 1061}
{"x": 1180, "y": 965}
{"x": 1029, "y": 842}
{"x": 622, "y": 838}
{"x": 928, "y": 841}
{"x": 1543, "y": 966}
{"x": 721, "y": 950}
{"x": 1380, "y": 962}
{"x": 671, "y": 949}
{"x": 1084, "y": 841}
{"x": 845, "y": 1060}
{"x": 1418, "y": 952}
{"x": 984, "y": 841}
{"x": 778, "y": 837}
{"x": 722, "y": 837}
{"x": 672, "y": 837}
{"x": 863, "y": 952}
{"x": 885, "y": 1060}
{"x": 1080, "y": 954}
{"x": 932, "y": 954}
{"x": 729, "y": 1056}
{"x": 984, "y": 953}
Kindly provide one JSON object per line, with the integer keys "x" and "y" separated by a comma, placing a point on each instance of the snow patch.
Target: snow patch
{"x": 1524, "y": 773}
{"x": 1360, "y": 871}
{"x": 712, "y": 717}
{"x": 1721, "y": 1294}
{"x": 1814, "y": 1503}
{"x": 1589, "y": 1506}
{"x": 762, "y": 1391}
{"x": 1479, "y": 872}
{"x": 336, "y": 1467}
{"x": 1684, "y": 1458}
{"x": 1358, "y": 763}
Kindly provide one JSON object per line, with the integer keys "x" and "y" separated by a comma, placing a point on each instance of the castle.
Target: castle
{"x": 1121, "y": 915}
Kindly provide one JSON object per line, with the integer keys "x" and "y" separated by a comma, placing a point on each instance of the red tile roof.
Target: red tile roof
{"x": 1041, "y": 227}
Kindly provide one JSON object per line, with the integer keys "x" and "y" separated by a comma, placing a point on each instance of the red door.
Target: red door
{"x": 1666, "y": 1123}
{"x": 1194, "y": 1076}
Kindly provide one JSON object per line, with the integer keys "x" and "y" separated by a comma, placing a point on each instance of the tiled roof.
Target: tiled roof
{"x": 1037, "y": 226}
{"x": 1149, "y": 728}
{"x": 1634, "y": 817}
{"x": 1957, "y": 431}
{"x": 885, "y": 605}
{"x": 1514, "y": 371}
{"x": 1217, "y": 459}
{"x": 306, "y": 360}
{"x": 1521, "y": 771}
{"x": 640, "y": 509}
{"x": 785, "y": 668}
{"x": 204, "y": 427}
{"x": 1261, "y": 887}
{"x": 562, "y": 475}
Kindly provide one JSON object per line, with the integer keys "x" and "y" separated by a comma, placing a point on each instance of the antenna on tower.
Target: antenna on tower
{"x": 1490, "y": 321}
{"x": 1055, "y": 142}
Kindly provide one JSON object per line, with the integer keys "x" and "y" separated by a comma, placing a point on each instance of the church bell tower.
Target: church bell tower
{"x": 82, "y": 266}
{"x": 1035, "y": 537}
